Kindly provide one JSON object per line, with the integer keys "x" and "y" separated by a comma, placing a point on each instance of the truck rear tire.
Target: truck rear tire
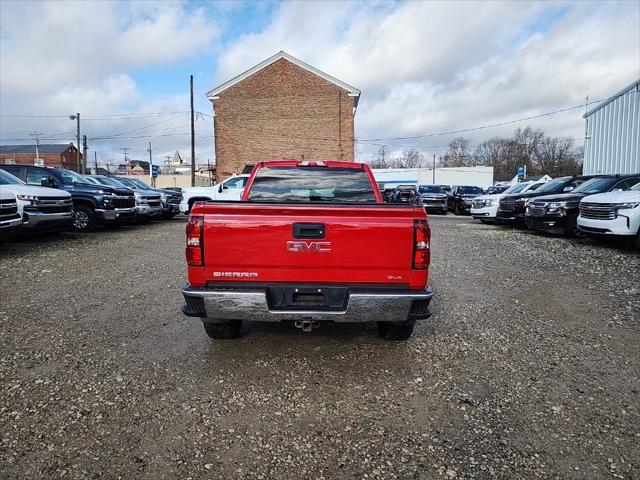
{"x": 636, "y": 240}
{"x": 395, "y": 331}
{"x": 226, "y": 330}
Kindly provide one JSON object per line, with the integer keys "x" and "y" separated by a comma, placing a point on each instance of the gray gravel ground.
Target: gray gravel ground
{"x": 528, "y": 369}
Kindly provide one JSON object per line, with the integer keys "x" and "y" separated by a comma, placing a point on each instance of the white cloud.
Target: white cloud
{"x": 429, "y": 67}
{"x": 68, "y": 56}
{"x": 68, "y": 42}
{"x": 423, "y": 67}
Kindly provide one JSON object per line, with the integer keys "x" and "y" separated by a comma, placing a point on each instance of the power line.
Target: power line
{"x": 105, "y": 116}
{"x": 482, "y": 127}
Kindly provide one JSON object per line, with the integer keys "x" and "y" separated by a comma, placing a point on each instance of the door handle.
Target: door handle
{"x": 309, "y": 230}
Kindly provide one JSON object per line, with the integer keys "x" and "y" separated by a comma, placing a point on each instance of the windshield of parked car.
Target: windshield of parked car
{"x": 636, "y": 187}
{"x": 112, "y": 182}
{"x": 553, "y": 185}
{"x": 518, "y": 187}
{"x": 72, "y": 178}
{"x": 469, "y": 190}
{"x": 139, "y": 184}
{"x": 430, "y": 189}
{"x": 596, "y": 185}
{"x": 7, "y": 179}
{"x": 311, "y": 184}
{"x": 127, "y": 183}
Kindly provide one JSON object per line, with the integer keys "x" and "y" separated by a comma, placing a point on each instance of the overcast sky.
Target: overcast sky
{"x": 423, "y": 67}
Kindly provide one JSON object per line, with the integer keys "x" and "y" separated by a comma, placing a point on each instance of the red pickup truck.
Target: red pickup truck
{"x": 309, "y": 243}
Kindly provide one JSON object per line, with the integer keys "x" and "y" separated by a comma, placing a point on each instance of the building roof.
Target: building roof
{"x": 42, "y": 148}
{"x": 211, "y": 95}
{"x": 634, "y": 86}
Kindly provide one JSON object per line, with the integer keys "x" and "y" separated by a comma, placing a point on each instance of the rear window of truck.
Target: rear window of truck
{"x": 311, "y": 184}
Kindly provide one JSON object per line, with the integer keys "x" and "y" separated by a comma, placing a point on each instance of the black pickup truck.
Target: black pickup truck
{"x": 512, "y": 207}
{"x": 460, "y": 198}
{"x": 559, "y": 213}
{"x": 92, "y": 204}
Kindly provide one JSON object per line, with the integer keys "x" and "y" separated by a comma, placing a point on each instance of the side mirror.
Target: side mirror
{"x": 220, "y": 189}
{"x": 617, "y": 190}
{"x": 567, "y": 189}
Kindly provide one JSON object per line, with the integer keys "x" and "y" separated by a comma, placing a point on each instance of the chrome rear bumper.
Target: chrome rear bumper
{"x": 251, "y": 304}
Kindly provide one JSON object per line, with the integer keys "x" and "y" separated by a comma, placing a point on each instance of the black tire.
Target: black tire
{"x": 572, "y": 229}
{"x": 457, "y": 210}
{"x": 636, "y": 240}
{"x": 226, "y": 330}
{"x": 395, "y": 331}
{"x": 84, "y": 219}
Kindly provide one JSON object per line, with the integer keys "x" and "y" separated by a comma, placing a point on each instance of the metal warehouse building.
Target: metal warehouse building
{"x": 612, "y": 142}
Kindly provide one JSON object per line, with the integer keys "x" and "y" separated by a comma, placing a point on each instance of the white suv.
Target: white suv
{"x": 229, "y": 190}
{"x": 612, "y": 214}
{"x": 485, "y": 207}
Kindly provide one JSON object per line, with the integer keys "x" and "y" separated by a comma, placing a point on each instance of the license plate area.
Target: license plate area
{"x": 307, "y": 298}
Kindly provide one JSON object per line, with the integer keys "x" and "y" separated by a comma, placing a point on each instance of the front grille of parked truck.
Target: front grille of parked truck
{"x": 8, "y": 209}
{"x": 51, "y": 205}
{"x": 598, "y": 211}
{"x": 508, "y": 205}
{"x": 123, "y": 201}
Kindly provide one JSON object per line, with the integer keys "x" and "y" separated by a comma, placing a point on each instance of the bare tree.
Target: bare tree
{"x": 558, "y": 156}
{"x": 458, "y": 155}
{"x": 412, "y": 158}
{"x": 382, "y": 159}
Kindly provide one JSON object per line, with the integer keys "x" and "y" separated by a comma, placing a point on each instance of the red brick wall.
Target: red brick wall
{"x": 282, "y": 112}
{"x": 66, "y": 159}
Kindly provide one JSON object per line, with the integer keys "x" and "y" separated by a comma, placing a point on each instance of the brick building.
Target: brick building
{"x": 282, "y": 109}
{"x": 51, "y": 155}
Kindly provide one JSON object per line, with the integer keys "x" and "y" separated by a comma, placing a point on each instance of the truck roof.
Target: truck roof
{"x": 311, "y": 163}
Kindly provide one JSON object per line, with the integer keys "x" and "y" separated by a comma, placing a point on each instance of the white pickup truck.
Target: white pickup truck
{"x": 41, "y": 208}
{"x": 485, "y": 207}
{"x": 612, "y": 214}
{"x": 229, "y": 189}
{"x": 10, "y": 220}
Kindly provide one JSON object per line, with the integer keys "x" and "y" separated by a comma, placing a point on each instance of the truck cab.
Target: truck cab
{"x": 229, "y": 189}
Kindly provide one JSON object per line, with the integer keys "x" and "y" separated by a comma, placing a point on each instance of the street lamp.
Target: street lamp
{"x": 77, "y": 117}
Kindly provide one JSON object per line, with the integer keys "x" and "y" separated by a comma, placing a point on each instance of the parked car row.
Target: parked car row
{"x": 44, "y": 199}
{"x": 594, "y": 205}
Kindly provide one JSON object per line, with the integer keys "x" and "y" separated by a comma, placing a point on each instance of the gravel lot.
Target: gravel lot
{"x": 529, "y": 368}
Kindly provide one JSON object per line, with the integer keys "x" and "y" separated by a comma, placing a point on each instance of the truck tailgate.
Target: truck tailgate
{"x": 352, "y": 244}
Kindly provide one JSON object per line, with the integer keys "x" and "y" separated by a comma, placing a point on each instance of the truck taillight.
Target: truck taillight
{"x": 195, "y": 248}
{"x": 421, "y": 244}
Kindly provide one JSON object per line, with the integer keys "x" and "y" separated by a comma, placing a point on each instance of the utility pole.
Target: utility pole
{"x": 36, "y": 135}
{"x": 126, "y": 160}
{"x": 434, "y": 168}
{"x": 151, "y": 179}
{"x": 193, "y": 138}
{"x": 76, "y": 117}
{"x": 95, "y": 160}
{"x": 84, "y": 151}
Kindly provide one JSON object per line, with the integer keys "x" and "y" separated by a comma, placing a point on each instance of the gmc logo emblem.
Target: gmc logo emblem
{"x": 298, "y": 246}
